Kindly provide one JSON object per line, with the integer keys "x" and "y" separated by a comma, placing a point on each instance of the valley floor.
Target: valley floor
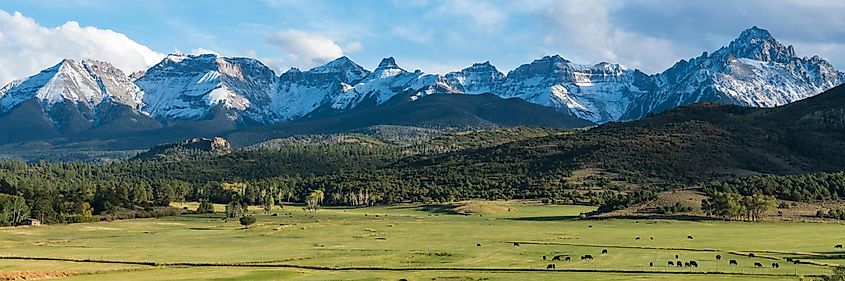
{"x": 417, "y": 242}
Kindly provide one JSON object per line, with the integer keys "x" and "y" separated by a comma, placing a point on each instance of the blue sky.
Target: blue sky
{"x": 435, "y": 36}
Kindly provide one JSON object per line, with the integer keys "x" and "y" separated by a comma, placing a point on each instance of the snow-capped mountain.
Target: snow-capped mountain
{"x": 479, "y": 78}
{"x": 598, "y": 93}
{"x": 753, "y": 70}
{"x": 193, "y": 87}
{"x": 74, "y": 95}
{"x": 385, "y": 82}
{"x": 300, "y": 93}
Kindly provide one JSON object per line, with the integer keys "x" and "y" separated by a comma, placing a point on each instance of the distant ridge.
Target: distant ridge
{"x": 208, "y": 95}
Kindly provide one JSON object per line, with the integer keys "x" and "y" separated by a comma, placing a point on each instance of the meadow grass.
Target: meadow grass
{"x": 418, "y": 242}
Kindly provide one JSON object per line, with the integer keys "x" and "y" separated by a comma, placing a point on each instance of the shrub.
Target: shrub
{"x": 246, "y": 221}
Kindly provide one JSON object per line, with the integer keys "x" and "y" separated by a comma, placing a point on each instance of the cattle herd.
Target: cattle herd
{"x": 674, "y": 263}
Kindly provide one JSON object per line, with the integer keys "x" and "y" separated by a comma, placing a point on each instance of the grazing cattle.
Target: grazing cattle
{"x": 590, "y": 226}
{"x": 652, "y": 238}
{"x": 544, "y": 257}
{"x": 733, "y": 262}
{"x": 586, "y": 257}
{"x": 478, "y": 245}
{"x": 671, "y": 263}
{"x": 515, "y": 244}
{"x": 650, "y": 264}
{"x": 789, "y": 259}
{"x": 693, "y": 263}
{"x": 751, "y": 255}
{"x": 679, "y": 263}
{"x": 689, "y": 237}
{"x": 604, "y": 251}
{"x": 566, "y": 259}
{"x": 676, "y": 256}
{"x": 556, "y": 258}
{"x": 838, "y": 246}
{"x": 550, "y": 266}
{"x": 637, "y": 238}
{"x": 757, "y": 264}
{"x": 686, "y": 264}
{"x": 718, "y": 257}
{"x": 775, "y": 265}
{"x": 796, "y": 261}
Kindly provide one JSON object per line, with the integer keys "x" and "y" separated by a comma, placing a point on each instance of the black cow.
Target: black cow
{"x": 838, "y": 246}
{"x": 652, "y": 238}
{"x": 604, "y": 251}
{"x": 733, "y": 262}
{"x": 686, "y": 264}
{"x": 796, "y": 261}
{"x": 751, "y": 255}
{"x": 676, "y": 256}
{"x": 550, "y": 266}
{"x": 566, "y": 259}
{"x": 788, "y": 259}
{"x": 693, "y": 263}
{"x": 586, "y": 257}
{"x": 679, "y": 263}
{"x": 516, "y": 244}
{"x": 637, "y": 238}
{"x": 650, "y": 264}
{"x": 718, "y": 257}
{"x": 757, "y": 264}
{"x": 589, "y": 226}
{"x": 556, "y": 258}
{"x": 775, "y": 265}
{"x": 544, "y": 257}
{"x": 671, "y": 263}
{"x": 689, "y": 237}
{"x": 478, "y": 245}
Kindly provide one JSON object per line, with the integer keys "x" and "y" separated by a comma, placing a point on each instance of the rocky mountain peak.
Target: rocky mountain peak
{"x": 388, "y": 62}
{"x": 758, "y": 44}
{"x": 349, "y": 71}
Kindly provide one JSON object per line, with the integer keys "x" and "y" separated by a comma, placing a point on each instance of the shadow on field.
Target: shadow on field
{"x": 658, "y": 217}
{"x": 545, "y": 218}
{"x": 821, "y": 256}
{"x": 437, "y": 209}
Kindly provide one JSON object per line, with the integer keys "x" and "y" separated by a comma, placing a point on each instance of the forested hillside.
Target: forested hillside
{"x": 611, "y": 165}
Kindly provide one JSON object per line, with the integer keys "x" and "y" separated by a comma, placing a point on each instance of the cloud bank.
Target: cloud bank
{"x": 306, "y": 50}
{"x": 27, "y": 47}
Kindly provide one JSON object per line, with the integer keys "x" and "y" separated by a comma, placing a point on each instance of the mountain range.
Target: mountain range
{"x": 201, "y": 95}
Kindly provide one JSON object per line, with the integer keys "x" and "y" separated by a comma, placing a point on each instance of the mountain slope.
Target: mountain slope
{"x": 187, "y": 87}
{"x": 72, "y": 97}
{"x": 753, "y": 70}
{"x": 208, "y": 94}
{"x": 685, "y": 145}
{"x": 599, "y": 93}
{"x": 436, "y": 111}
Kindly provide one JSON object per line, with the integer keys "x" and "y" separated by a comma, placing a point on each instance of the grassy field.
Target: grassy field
{"x": 417, "y": 242}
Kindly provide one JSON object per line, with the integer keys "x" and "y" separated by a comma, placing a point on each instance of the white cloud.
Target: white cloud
{"x": 200, "y": 51}
{"x": 653, "y": 34}
{"x": 585, "y": 26}
{"x": 482, "y": 14}
{"x": 26, "y": 47}
{"x": 305, "y": 50}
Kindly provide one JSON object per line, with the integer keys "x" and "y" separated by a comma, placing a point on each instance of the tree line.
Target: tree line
{"x": 733, "y": 206}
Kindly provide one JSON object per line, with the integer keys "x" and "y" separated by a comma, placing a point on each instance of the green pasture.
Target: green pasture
{"x": 417, "y": 242}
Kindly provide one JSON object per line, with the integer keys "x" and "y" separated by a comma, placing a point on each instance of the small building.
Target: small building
{"x": 32, "y": 222}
